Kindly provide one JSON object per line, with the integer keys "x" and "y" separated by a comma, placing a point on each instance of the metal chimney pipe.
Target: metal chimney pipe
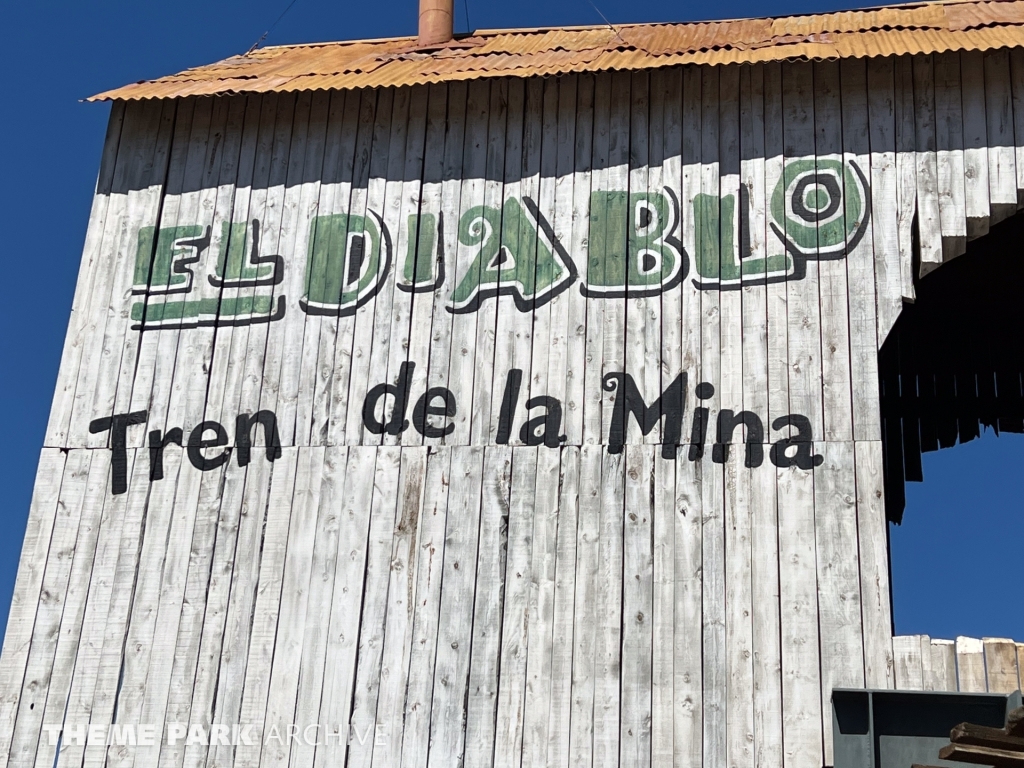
{"x": 436, "y": 22}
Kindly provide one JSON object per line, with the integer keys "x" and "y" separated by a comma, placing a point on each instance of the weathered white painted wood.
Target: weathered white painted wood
{"x": 297, "y": 324}
{"x": 939, "y": 667}
{"x": 90, "y": 273}
{"x": 401, "y": 597}
{"x": 752, "y": 241}
{"x": 803, "y": 310}
{"x": 777, "y": 299}
{"x": 295, "y": 589}
{"x": 873, "y": 538}
{"x": 710, "y": 318}
{"x": 543, "y": 159}
{"x": 224, "y": 542}
{"x": 45, "y": 674}
{"x": 451, "y": 188}
{"x": 374, "y": 196}
{"x": 168, "y": 607}
{"x": 266, "y": 609}
{"x": 687, "y": 671}
{"x": 540, "y": 618}
{"x": 157, "y": 357}
{"x": 241, "y": 599}
{"x": 430, "y": 558}
{"x": 976, "y": 165}
{"x": 906, "y": 170}
{"x": 729, "y": 389}
{"x": 354, "y": 550}
{"x": 766, "y": 618}
{"x": 715, "y": 662}
{"x": 137, "y": 204}
{"x": 1020, "y": 662}
{"x": 739, "y": 610}
{"x": 133, "y": 667}
{"x": 608, "y": 614}
{"x": 507, "y": 315}
{"x": 667, "y": 88}
{"x": 594, "y": 419}
{"x": 193, "y": 361}
{"x": 455, "y": 632}
{"x": 838, "y": 570}
{"x": 21, "y": 620}
{"x": 885, "y": 186}
{"x": 430, "y": 203}
{"x": 663, "y": 610}
{"x": 508, "y": 744}
{"x": 636, "y": 309}
{"x": 860, "y": 262}
{"x": 484, "y": 672}
{"x": 801, "y": 681}
{"x": 466, "y": 265}
{"x": 970, "y": 665}
{"x": 563, "y": 636}
{"x": 637, "y": 606}
{"x": 578, "y": 245}
{"x": 1001, "y": 664}
{"x": 326, "y": 553}
{"x": 560, "y": 378}
{"x": 250, "y": 204}
{"x": 909, "y": 671}
{"x": 949, "y": 145}
{"x": 380, "y": 307}
{"x": 100, "y": 703}
{"x": 584, "y": 636}
{"x": 834, "y": 287}
{"x": 317, "y": 374}
{"x": 617, "y": 179}
{"x": 336, "y": 418}
{"x": 1002, "y": 170}
{"x": 383, "y": 519}
{"x": 487, "y": 381}
{"x": 185, "y": 663}
{"x": 223, "y": 366}
{"x": 929, "y": 229}
{"x": 280, "y": 367}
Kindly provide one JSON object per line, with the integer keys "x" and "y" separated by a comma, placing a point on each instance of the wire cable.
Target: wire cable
{"x": 271, "y": 29}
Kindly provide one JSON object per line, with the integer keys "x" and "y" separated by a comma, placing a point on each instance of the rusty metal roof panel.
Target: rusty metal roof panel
{"x": 914, "y": 28}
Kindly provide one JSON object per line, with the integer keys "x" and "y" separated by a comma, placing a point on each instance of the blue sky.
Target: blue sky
{"x": 956, "y": 560}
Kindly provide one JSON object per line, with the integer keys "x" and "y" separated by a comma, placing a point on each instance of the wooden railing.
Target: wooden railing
{"x": 967, "y": 664}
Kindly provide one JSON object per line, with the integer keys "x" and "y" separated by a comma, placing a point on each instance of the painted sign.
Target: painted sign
{"x": 187, "y": 276}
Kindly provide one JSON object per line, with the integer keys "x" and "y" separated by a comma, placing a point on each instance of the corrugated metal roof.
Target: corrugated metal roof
{"x": 891, "y": 30}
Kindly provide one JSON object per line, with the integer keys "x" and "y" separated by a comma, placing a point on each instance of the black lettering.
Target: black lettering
{"x": 671, "y": 404}
{"x": 549, "y": 424}
{"x": 400, "y": 391}
{"x": 513, "y": 382}
{"x": 727, "y": 423}
{"x": 118, "y": 425}
{"x": 157, "y": 442}
{"x": 196, "y": 444}
{"x": 701, "y": 416}
{"x": 804, "y": 456}
{"x": 243, "y": 435}
{"x": 423, "y": 409}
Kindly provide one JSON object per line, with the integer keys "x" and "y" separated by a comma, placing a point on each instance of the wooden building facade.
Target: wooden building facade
{"x": 512, "y": 402}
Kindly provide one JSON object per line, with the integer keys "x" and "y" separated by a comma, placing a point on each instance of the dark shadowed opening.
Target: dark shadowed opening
{"x": 954, "y": 362}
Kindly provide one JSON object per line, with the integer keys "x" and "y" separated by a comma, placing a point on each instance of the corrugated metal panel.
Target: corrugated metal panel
{"x": 892, "y": 30}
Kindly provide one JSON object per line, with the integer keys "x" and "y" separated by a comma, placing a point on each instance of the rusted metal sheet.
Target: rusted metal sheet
{"x": 892, "y": 30}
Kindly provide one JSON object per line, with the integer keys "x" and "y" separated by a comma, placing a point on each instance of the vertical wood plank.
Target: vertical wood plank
{"x": 454, "y": 637}
{"x": 688, "y": 675}
{"x": 970, "y": 665}
{"x": 1002, "y": 170}
{"x": 941, "y": 673}
{"x": 608, "y": 610}
{"x": 976, "y": 165}
{"x": 909, "y": 670}
{"x": 426, "y": 616}
{"x": 949, "y": 145}
{"x": 1001, "y": 665}
{"x": 637, "y": 607}
{"x": 929, "y": 229}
